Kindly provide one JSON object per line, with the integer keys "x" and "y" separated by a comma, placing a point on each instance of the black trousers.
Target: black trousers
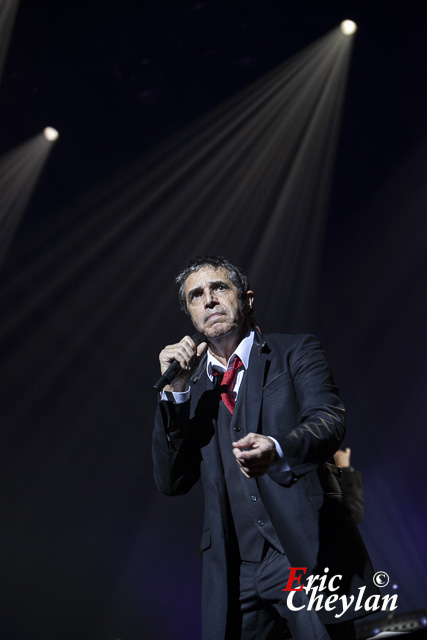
{"x": 264, "y": 611}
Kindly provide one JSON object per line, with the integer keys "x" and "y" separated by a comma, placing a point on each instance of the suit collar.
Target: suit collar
{"x": 259, "y": 345}
{"x": 259, "y": 341}
{"x": 243, "y": 351}
{"x": 254, "y": 386}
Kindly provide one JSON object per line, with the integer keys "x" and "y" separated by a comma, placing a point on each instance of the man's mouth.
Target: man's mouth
{"x": 213, "y": 316}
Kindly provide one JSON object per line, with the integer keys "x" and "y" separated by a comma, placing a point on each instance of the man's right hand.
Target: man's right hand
{"x": 188, "y": 355}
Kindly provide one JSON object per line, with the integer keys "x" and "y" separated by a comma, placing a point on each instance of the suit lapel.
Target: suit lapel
{"x": 208, "y": 429}
{"x": 254, "y": 387}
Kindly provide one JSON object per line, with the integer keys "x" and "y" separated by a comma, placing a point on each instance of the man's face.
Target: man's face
{"x": 213, "y": 302}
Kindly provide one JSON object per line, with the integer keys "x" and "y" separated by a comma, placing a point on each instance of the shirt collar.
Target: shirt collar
{"x": 243, "y": 350}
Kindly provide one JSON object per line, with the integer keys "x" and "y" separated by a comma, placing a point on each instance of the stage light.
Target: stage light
{"x": 348, "y": 27}
{"x": 50, "y": 134}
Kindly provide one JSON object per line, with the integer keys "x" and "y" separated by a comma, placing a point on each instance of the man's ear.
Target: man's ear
{"x": 249, "y": 301}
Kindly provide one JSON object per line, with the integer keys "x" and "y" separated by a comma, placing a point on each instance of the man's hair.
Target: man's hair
{"x": 237, "y": 276}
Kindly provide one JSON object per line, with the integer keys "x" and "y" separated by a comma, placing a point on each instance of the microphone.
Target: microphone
{"x": 175, "y": 367}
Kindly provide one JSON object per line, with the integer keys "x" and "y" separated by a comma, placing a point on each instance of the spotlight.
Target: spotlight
{"x": 50, "y": 134}
{"x": 348, "y": 27}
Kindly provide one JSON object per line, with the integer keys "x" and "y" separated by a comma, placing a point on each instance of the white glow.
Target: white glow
{"x": 51, "y": 134}
{"x": 348, "y": 27}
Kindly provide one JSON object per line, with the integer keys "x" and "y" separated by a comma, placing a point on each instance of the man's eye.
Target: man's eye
{"x": 221, "y": 287}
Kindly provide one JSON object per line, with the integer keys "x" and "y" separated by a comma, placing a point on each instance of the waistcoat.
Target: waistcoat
{"x": 251, "y": 521}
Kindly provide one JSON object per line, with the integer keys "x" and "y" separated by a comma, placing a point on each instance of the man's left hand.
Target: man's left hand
{"x": 255, "y": 454}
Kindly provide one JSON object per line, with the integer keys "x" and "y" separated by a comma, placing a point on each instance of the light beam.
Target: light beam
{"x": 19, "y": 172}
{"x": 8, "y": 9}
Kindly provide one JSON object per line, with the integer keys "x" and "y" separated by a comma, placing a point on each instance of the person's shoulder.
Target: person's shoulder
{"x": 293, "y": 345}
{"x": 290, "y": 340}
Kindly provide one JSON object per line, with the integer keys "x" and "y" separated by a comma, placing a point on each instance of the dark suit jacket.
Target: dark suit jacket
{"x": 290, "y": 395}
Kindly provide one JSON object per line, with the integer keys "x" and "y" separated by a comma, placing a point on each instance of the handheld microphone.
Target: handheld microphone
{"x": 175, "y": 367}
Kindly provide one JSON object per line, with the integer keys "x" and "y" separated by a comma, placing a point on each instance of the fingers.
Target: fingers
{"x": 187, "y": 355}
{"x": 255, "y": 454}
{"x": 201, "y": 349}
{"x": 247, "y": 441}
{"x": 254, "y": 470}
{"x": 183, "y": 352}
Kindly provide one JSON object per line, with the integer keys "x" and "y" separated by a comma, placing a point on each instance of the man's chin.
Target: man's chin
{"x": 218, "y": 330}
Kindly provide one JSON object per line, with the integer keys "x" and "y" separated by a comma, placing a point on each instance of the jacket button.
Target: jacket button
{"x": 236, "y": 428}
{"x": 261, "y": 523}
{"x": 253, "y": 498}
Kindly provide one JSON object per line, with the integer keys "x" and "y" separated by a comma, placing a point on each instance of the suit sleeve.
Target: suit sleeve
{"x": 176, "y": 453}
{"x": 320, "y": 424}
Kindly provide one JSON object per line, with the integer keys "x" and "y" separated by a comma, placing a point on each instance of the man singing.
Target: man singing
{"x": 258, "y": 418}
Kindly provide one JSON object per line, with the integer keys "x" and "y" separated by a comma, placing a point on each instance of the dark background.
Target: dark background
{"x": 89, "y": 549}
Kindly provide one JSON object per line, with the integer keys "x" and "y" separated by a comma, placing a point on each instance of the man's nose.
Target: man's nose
{"x": 210, "y": 300}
